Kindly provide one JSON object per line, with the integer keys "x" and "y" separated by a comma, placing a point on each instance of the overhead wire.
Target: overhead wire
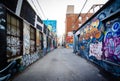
{"x": 100, "y": 5}
{"x": 36, "y": 8}
{"x": 80, "y": 12}
{"x": 41, "y": 9}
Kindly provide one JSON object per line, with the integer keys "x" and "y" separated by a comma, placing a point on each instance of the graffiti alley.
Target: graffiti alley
{"x": 59, "y": 40}
{"x": 61, "y": 65}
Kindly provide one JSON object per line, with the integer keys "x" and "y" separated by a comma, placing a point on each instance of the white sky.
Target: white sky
{"x": 56, "y": 10}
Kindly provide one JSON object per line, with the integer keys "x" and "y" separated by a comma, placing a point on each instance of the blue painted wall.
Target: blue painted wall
{"x": 99, "y": 39}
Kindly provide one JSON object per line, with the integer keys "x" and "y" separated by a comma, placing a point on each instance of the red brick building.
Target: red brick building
{"x": 73, "y": 22}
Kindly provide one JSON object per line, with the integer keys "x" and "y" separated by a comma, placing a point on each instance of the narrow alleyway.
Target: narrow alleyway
{"x": 61, "y": 65}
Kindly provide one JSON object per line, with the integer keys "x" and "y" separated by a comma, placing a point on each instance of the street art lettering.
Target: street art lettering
{"x": 100, "y": 38}
{"x": 91, "y": 39}
{"x": 13, "y": 46}
{"x": 112, "y": 48}
{"x": 95, "y": 50}
{"x": 117, "y": 50}
{"x": 28, "y": 59}
{"x": 112, "y": 43}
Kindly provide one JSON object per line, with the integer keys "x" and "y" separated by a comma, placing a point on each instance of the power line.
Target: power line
{"x": 35, "y": 7}
{"x": 80, "y": 12}
{"x": 82, "y": 8}
{"x": 41, "y": 9}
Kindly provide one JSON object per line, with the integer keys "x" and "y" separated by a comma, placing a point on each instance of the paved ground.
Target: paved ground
{"x": 61, "y": 65}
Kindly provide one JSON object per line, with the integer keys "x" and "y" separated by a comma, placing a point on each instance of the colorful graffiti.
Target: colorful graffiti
{"x": 92, "y": 30}
{"x": 69, "y": 39}
{"x": 112, "y": 42}
{"x": 100, "y": 38}
{"x": 95, "y": 50}
{"x": 91, "y": 37}
{"x": 51, "y": 24}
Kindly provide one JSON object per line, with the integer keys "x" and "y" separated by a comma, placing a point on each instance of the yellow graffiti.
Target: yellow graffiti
{"x": 91, "y": 30}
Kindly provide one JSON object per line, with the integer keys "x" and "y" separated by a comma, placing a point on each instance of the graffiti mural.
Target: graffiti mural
{"x": 29, "y": 59}
{"x": 95, "y": 30}
{"x": 112, "y": 42}
{"x": 92, "y": 31}
{"x": 26, "y": 39}
{"x": 14, "y": 43}
{"x": 99, "y": 39}
{"x": 51, "y": 24}
{"x": 95, "y": 50}
{"x": 2, "y": 37}
{"x": 91, "y": 37}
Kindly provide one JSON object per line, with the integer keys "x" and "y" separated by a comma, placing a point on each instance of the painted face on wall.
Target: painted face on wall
{"x": 87, "y": 36}
{"x": 94, "y": 30}
{"x": 95, "y": 23}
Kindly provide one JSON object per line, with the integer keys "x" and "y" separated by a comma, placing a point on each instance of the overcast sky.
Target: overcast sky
{"x": 56, "y": 10}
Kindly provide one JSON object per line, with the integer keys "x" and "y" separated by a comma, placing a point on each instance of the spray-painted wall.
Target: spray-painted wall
{"x": 20, "y": 44}
{"x": 111, "y": 43}
{"x": 2, "y": 37}
{"x": 100, "y": 39}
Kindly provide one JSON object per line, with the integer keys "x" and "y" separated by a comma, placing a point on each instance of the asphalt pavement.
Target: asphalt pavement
{"x": 61, "y": 65}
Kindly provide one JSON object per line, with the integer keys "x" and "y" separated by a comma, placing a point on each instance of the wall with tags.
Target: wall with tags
{"x": 99, "y": 37}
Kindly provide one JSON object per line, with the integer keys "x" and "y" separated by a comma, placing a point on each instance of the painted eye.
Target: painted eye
{"x": 109, "y": 34}
{"x": 94, "y": 26}
{"x": 102, "y": 16}
{"x": 116, "y": 26}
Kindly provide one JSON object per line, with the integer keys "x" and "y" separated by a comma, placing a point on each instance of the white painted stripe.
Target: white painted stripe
{"x": 18, "y": 8}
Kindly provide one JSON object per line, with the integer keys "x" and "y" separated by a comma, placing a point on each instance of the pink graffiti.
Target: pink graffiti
{"x": 95, "y": 50}
{"x": 112, "y": 47}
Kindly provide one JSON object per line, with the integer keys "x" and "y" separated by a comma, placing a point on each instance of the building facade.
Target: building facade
{"x": 98, "y": 39}
{"x": 72, "y": 22}
{"x": 23, "y": 37}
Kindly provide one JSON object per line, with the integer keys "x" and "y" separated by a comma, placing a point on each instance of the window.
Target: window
{"x": 14, "y": 46}
{"x": 80, "y": 18}
{"x": 79, "y": 24}
{"x": 32, "y": 40}
{"x": 41, "y": 41}
{"x": 87, "y": 18}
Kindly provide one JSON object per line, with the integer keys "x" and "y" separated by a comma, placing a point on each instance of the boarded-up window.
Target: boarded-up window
{"x": 14, "y": 46}
{"x": 32, "y": 40}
